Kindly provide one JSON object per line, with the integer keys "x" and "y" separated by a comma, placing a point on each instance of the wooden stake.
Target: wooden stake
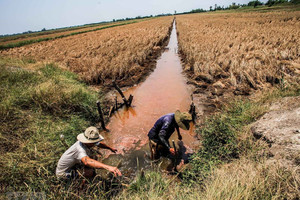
{"x": 121, "y": 93}
{"x": 101, "y": 116}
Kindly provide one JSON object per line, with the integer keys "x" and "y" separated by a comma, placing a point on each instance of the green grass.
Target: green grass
{"x": 35, "y": 108}
{"x": 27, "y": 42}
{"x": 220, "y": 139}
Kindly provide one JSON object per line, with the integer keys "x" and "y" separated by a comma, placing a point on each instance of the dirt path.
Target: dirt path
{"x": 280, "y": 128}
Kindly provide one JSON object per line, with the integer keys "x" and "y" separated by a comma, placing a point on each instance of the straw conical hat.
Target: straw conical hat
{"x": 183, "y": 119}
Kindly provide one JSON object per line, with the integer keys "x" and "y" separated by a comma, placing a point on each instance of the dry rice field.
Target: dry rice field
{"x": 52, "y": 33}
{"x": 241, "y": 52}
{"x": 100, "y": 56}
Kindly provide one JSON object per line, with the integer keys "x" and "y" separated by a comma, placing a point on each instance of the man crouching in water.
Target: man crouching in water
{"x": 80, "y": 153}
{"x": 162, "y": 130}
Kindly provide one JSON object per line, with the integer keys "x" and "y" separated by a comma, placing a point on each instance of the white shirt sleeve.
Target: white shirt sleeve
{"x": 81, "y": 153}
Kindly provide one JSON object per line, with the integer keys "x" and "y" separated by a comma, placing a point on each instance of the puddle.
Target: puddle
{"x": 163, "y": 92}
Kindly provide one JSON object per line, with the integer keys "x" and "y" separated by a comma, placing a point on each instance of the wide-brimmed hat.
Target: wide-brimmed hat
{"x": 90, "y": 135}
{"x": 183, "y": 119}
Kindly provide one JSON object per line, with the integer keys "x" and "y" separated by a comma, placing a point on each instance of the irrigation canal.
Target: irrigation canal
{"x": 163, "y": 92}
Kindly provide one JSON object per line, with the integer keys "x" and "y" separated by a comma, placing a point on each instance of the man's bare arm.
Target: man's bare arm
{"x": 87, "y": 161}
{"x": 104, "y": 146}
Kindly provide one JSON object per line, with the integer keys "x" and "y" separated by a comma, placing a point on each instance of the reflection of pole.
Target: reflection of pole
{"x": 116, "y": 103}
{"x": 101, "y": 116}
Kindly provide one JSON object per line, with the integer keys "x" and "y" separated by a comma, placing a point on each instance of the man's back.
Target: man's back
{"x": 165, "y": 126}
{"x": 71, "y": 157}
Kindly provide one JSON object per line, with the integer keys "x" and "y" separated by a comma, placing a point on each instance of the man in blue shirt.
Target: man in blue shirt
{"x": 162, "y": 130}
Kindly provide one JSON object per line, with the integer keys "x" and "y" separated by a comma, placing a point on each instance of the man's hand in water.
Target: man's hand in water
{"x": 172, "y": 151}
{"x": 114, "y": 170}
{"x": 114, "y": 150}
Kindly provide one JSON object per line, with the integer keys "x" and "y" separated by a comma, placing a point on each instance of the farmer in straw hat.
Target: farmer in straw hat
{"x": 80, "y": 153}
{"x": 163, "y": 129}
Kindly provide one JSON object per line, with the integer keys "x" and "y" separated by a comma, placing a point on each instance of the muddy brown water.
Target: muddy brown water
{"x": 163, "y": 92}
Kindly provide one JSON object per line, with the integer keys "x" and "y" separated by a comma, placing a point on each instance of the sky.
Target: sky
{"x": 17, "y": 16}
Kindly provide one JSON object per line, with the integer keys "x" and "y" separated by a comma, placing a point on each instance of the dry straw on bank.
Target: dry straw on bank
{"x": 251, "y": 50}
{"x": 118, "y": 52}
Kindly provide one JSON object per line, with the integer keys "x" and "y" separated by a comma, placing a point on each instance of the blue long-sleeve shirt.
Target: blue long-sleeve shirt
{"x": 163, "y": 128}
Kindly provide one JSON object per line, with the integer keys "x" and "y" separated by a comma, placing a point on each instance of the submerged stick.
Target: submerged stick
{"x": 101, "y": 116}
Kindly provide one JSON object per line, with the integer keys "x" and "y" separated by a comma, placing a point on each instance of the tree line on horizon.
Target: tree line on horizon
{"x": 216, "y": 7}
{"x": 254, "y": 4}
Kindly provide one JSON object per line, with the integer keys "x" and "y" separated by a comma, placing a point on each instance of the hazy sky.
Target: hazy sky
{"x": 17, "y": 16}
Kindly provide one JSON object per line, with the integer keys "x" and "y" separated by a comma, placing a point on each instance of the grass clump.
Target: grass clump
{"x": 153, "y": 185}
{"x": 246, "y": 179}
{"x": 220, "y": 139}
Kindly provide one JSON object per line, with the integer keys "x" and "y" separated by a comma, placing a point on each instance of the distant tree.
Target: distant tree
{"x": 270, "y": 3}
{"x": 114, "y": 20}
{"x": 26, "y": 32}
{"x": 295, "y": 1}
{"x": 255, "y": 3}
{"x": 44, "y": 29}
{"x": 234, "y": 6}
{"x": 210, "y": 8}
{"x": 199, "y": 10}
{"x": 273, "y": 2}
